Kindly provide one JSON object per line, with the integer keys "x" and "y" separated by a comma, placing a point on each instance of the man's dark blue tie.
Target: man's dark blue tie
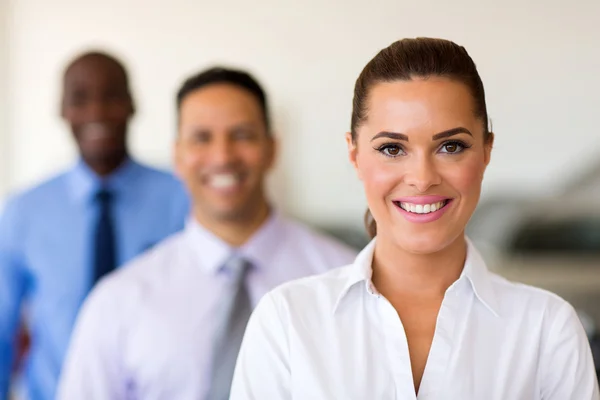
{"x": 104, "y": 238}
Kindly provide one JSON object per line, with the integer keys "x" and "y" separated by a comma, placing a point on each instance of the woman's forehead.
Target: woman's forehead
{"x": 423, "y": 104}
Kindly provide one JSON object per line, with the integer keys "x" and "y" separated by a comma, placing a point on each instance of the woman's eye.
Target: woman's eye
{"x": 452, "y": 147}
{"x": 391, "y": 150}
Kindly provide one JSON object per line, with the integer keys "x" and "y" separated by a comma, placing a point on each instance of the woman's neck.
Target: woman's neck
{"x": 397, "y": 271}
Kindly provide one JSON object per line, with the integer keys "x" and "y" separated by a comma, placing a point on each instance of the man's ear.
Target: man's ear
{"x": 176, "y": 154}
{"x": 62, "y": 110}
{"x": 273, "y": 151}
{"x": 132, "y": 109}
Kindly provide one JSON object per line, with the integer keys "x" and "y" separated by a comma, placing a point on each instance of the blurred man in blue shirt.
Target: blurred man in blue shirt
{"x": 59, "y": 238}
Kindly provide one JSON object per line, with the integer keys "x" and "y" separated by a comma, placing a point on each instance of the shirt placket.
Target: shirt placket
{"x": 441, "y": 347}
{"x": 396, "y": 346}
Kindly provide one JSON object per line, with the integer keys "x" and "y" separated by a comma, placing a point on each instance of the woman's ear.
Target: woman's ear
{"x": 351, "y": 144}
{"x": 488, "y": 145}
{"x": 353, "y": 153}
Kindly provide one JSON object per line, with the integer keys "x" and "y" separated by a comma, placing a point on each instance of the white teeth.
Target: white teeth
{"x": 223, "y": 181}
{"x": 422, "y": 208}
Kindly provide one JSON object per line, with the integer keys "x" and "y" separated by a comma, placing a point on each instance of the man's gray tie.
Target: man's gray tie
{"x": 233, "y": 314}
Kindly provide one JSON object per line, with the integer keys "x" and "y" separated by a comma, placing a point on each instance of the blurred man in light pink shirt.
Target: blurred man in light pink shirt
{"x": 169, "y": 326}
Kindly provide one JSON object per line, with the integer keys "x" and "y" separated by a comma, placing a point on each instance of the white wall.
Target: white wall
{"x": 540, "y": 61}
{"x": 4, "y": 135}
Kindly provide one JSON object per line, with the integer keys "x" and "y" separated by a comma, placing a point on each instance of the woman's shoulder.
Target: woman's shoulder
{"x": 530, "y": 302}
{"x": 314, "y": 293}
{"x": 320, "y": 285}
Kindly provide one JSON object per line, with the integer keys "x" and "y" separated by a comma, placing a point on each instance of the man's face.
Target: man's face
{"x": 97, "y": 105}
{"x": 224, "y": 151}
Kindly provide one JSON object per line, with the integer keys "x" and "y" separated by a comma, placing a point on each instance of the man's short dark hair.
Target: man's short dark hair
{"x": 234, "y": 77}
{"x": 102, "y": 56}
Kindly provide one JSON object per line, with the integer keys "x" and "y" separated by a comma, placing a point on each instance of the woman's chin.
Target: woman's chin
{"x": 425, "y": 243}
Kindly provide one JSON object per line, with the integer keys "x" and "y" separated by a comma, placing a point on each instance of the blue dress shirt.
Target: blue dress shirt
{"x": 46, "y": 256}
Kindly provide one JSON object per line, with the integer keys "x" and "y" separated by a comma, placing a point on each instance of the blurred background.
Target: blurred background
{"x": 539, "y": 61}
{"x": 539, "y": 217}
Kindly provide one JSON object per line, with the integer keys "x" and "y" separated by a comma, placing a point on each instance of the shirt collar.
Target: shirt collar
{"x": 360, "y": 271}
{"x": 212, "y": 252}
{"x": 474, "y": 271}
{"x": 477, "y": 273}
{"x": 83, "y": 183}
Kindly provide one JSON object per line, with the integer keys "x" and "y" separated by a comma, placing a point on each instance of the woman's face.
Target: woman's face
{"x": 421, "y": 156}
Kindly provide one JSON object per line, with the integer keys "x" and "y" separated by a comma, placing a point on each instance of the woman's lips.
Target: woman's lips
{"x": 422, "y": 209}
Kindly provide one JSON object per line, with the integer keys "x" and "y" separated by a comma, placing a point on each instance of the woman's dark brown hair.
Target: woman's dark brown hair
{"x": 407, "y": 59}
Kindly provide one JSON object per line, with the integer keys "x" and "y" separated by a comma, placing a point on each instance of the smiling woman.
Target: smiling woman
{"x": 418, "y": 315}
{"x": 426, "y": 148}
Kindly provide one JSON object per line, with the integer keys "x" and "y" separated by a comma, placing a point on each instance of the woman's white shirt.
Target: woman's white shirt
{"x": 332, "y": 336}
